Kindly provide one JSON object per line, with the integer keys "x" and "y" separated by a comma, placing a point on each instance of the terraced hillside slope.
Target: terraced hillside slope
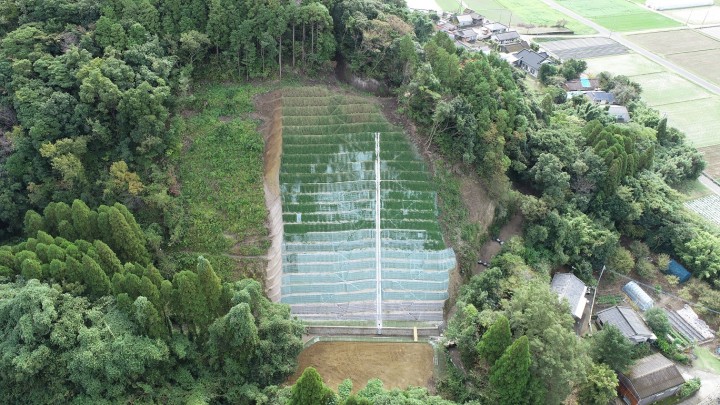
{"x": 361, "y": 241}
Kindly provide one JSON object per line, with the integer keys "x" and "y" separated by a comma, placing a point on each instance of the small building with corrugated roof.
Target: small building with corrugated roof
{"x": 649, "y": 380}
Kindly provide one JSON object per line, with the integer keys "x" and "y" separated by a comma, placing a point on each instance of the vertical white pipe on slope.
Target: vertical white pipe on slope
{"x": 378, "y": 262}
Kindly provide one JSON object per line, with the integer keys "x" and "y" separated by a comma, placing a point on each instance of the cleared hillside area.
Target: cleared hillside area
{"x": 361, "y": 239}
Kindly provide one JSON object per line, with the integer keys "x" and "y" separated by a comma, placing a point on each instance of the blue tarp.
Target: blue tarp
{"x": 676, "y": 269}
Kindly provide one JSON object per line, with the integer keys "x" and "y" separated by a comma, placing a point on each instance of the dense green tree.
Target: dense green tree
{"x": 657, "y": 320}
{"x": 572, "y": 68}
{"x": 611, "y": 347}
{"x": 310, "y": 389}
{"x": 600, "y": 387}
{"x": 495, "y": 340}
{"x": 510, "y": 376}
{"x": 97, "y": 283}
{"x": 559, "y": 360}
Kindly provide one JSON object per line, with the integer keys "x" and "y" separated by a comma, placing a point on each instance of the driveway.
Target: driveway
{"x": 709, "y": 393}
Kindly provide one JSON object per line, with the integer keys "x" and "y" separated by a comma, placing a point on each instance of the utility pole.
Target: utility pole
{"x": 592, "y": 304}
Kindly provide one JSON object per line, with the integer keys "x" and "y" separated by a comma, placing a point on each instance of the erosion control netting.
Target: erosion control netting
{"x": 335, "y": 268}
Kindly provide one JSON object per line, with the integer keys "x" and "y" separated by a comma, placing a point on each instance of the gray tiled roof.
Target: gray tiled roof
{"x": 568, "y": 286}
{"x": 531, "y": 58}
{"x": 654, "y": 374}
{"x": 628, "y": 321}
{"x": 507, "y": 35}
{"x": 600, "y": 96}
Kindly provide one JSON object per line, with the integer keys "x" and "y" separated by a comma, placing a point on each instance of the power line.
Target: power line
{"x": 666, "y": 293}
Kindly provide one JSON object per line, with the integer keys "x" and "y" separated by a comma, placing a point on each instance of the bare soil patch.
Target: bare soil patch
{"x": 492, "y": 247}
{"x": 269, "y": 111}
{"x": 475, "y": 197}
{"x": 712, "y": 157}
{"x": 398, "y": 365}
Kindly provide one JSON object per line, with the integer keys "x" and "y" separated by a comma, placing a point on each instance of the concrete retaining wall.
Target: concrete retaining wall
{"x": 369, "y": 331}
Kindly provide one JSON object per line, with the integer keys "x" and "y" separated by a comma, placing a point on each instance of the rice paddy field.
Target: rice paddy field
{"x": 619, "y": 15}
{"x": 335, "y": 252}
{"x": 690, "y": 49}
{"x": 690, "y": 108}
{"x": 696, "y": 15}
{"x": 519, "y": 13}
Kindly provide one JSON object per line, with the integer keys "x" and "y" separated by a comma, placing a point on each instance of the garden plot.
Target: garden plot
{"x": 708, "y": 207}
{"x": 582, "y": 48}
{"x": 361, "y": 237}
{"x": 712, "y": 157}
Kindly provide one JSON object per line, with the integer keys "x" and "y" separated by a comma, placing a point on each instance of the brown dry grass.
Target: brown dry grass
{"x": 398, "y": 365}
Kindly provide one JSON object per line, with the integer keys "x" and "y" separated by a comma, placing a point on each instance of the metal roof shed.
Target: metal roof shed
{"x": 677, "y": 269}
{"x": 638, "y": 295}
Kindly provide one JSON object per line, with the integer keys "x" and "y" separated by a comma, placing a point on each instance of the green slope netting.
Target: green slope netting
{"x": 328, "y": 185}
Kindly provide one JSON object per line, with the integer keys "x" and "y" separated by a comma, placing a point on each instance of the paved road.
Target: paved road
{"x": 707, "y": 182}
{"x": 637, "y": 49}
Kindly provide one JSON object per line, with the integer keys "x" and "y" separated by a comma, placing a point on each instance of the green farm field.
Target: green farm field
{"x": 517, "y": 12}
{"x": 628, "y": 64}
{"x": 668, "y": 88}
{"x": 699, "y": 119}
{"x": 619, "y": 15}
{"x": 689, "y": 108}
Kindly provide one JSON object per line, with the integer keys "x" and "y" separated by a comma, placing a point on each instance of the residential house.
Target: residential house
{"x": 600, "y": 97}
{"x": 514, "y": 47}
{"x": 619, "y": 112}
{"x": 478, "y": 19}
{"x": 627, "y": 321}
{"x": 507, "y": 37}
{"x": 649, "y": 380}
{"x": 569, "y": 287}
{"x": 464, "y": 20}
{"x": 495, "y": 28}
{"x": 530, "y": 61}
{"x": 467, "y": 35}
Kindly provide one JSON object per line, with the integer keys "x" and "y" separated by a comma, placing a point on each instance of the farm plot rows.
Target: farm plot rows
{"x": 708, "y": 207}
{"x": 689, "y": 49}
{"x": 328, "y": 186}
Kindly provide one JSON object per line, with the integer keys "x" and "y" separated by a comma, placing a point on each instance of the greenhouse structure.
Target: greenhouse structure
{"x": 638, "y": 296}
{"x": 361, "y": 244}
